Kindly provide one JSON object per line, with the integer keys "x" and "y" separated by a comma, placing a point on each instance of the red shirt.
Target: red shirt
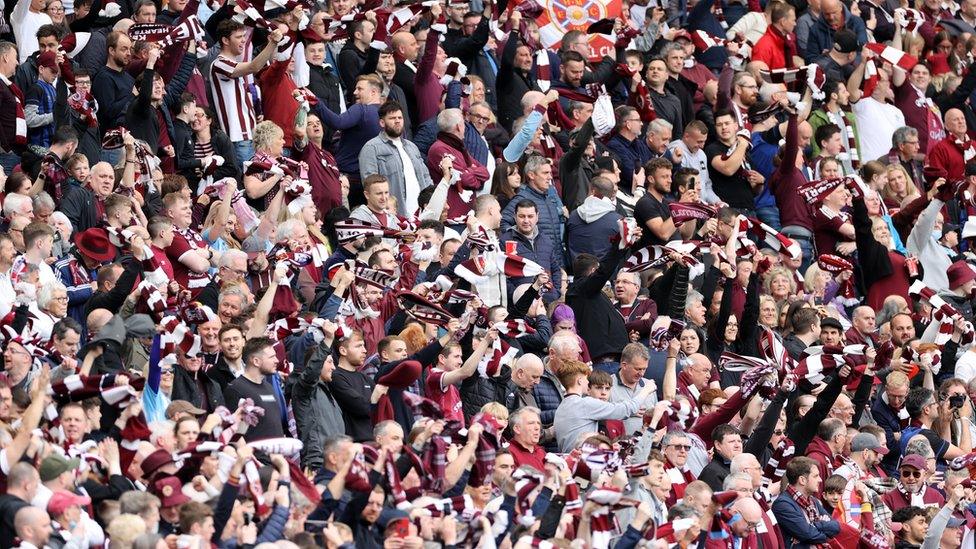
{"x": 946, "y": 155}
{"x": 185, "y": 240}
{"x": 448, "y": 397}
{"x": 522, "y": 456}
{"x": 771, "y": 50}
{"x": 164, "y": 262}
{"x": 920, "y": 114}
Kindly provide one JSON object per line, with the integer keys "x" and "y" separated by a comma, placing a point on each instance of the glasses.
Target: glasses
{"x": 479, "y": 117}
{"x": 680, "y": 447}
{"x": 911, "y": 473}
{"x": 62, "y": 299}
{"x": 778, "y": 432}
{"x": 167, "y": 370}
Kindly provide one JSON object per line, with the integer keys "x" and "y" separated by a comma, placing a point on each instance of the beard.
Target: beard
{"x": 393, "y": 133}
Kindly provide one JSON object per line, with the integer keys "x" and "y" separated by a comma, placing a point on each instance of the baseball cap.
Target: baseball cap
{"x": 913, "y": 460}
{"x": 154, "y": 461}
{"x": 845, "y": 41}
{"x": 62, "y": 499}
{"x": 55, "y": 464}
{"x": 867, "y": 441}
{"x": 955, "y": 522}
{"x": 170, "y": 492}
{"x": 182, "y": 407}
{"x": 48, "y": 60}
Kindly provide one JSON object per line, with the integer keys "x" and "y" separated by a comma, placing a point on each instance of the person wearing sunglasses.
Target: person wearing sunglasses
{"x": 676, "y": 445}
{"x": 911, "y": 488}
{"x": 866, "y": 453}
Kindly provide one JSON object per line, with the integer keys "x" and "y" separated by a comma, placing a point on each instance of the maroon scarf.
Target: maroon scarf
{"x": 789, "y": 45}
{"x": 455, "y": 143}
{"x": 966, "y": 146}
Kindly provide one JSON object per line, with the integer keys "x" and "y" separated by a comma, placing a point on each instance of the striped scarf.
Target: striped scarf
{"x": 847, "y": 130}
{"x": 21, "y": 120}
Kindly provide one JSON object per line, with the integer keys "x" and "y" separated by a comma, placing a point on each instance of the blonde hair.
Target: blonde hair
{"x": 264, "y": 133}
{"x": 124, "y": 529}
{"x": 776, "y": 271}
{"x": 911, "y": 191}
{"x": 496, "y": 410}
{"x": 810, "y": 277}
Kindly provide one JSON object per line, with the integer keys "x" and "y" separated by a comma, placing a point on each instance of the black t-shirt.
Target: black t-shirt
{"x": 9, "y": 505}
{"x": 648, "y": 208}
{"x": 734, "y": 190}
{"x": 263, "y": 395}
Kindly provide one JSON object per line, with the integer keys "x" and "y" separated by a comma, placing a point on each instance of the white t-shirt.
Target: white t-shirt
{"x": 876, "y": 123}
{"x": 411, "y": 185}
{"x": 25, "y": 24}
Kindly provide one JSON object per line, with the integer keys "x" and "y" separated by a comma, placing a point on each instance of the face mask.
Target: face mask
{"x": 936, "y": 235}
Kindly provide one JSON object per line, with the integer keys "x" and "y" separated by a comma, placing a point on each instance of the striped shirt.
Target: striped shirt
{"x": 235, "y": 110}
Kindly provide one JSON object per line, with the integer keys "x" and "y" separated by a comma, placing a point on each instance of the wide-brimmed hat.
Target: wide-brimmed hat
{"x": 94, "y": 243}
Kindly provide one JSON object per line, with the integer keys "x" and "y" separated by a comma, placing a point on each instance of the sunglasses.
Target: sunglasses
{"x": 778, "y": 432}
{"x": 911, "y": 473}
{"x": 684, "y": 447}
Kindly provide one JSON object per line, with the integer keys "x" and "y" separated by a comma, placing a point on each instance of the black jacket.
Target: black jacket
{"x": 471, "y": 51}
{"x": 597, "y": 321}
{"x": 201, "y": 391}
{"x": 714, "y": 473}
{"x": 405, "y": 77}
{"x": 351, "y": 63}
{"x": 78, "y": 203}
{"x": 140, "y": 116}
{"x": 326, "y": 85}
{"x": 114, "y": 298}
{"x": 512, "y": 85}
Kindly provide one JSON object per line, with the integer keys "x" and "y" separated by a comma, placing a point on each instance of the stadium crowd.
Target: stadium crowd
{"x": 365, "y": 273}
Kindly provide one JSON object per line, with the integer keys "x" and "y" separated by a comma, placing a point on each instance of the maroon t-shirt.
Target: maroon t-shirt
{"x": 917, "y": 109}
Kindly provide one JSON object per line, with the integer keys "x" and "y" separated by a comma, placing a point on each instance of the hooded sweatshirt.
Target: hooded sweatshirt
{"x": 591, "y": 226}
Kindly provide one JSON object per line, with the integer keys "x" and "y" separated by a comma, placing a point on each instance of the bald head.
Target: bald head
{"x": 101, "y": 168}
{"x": 530, "y": 100}
{"x": 97, "y": 319}
{"x": 403, "y": 42}
{"x": 749, "y": 509}
{"x": 33, "y": 525}
{"x": 955, "y": 122}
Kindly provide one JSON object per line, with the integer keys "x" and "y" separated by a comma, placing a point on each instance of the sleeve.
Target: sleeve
{"x": 795, "y": 523}
{"x": 77, "y": 295}
{"x": 179, "y": 247}
{"x": 350, "y": 398}
{"x": 177, "y": 85}
{"x": 425, "y": 70}
{"x": 435, "y": 382}
{"x": 516, "y": 147}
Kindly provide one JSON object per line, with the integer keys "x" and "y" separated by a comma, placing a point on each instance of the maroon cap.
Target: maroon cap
{"x": 94, "y": 243}
{"x": 154, "y": 461}
{"x": 170, "y": 491}
{"x": 960, "y": 273}
{"x": 914, "y": 460}
{"x": 47, "y": 59}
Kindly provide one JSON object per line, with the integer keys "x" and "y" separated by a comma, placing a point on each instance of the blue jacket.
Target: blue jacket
{"x": 887, "y": 419}
{"x": 550, "y": 210}
{"x": 630, "y": 155}
{"x": 821, "y": 36}
{"x": 590, "y": 237}
{"x": 797, "y": 531}
{"x": 701, "y": 18}
{"x": 548, "y": 396}
{"x": 542, "y": 252}
{"x": 79, "y": 294}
